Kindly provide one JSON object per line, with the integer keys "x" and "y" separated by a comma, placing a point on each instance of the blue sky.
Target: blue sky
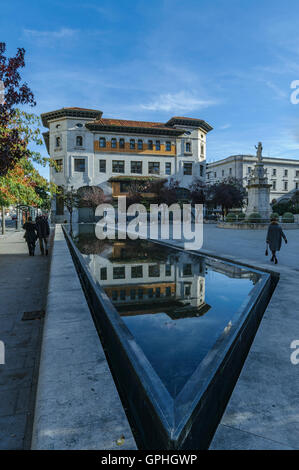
{"x": 229, "y": 62}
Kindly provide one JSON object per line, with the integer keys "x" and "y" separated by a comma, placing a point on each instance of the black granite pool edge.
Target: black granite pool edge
{"x": 160, "y": 429}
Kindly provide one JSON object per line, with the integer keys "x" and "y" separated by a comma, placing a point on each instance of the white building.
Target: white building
{"x": 282, "y": 173}
{"x": 110, "y": 153}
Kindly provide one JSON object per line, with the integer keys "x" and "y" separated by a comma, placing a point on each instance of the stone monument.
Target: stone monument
{"x": 259, "y": 189}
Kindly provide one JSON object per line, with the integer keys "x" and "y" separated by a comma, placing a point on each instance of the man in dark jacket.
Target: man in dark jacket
{"x": 30, "y": 235}
{"x": 274, "y": 236}
{"x": 43, "y": 232}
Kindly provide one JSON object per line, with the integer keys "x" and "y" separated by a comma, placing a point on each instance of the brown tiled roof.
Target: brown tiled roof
{"x": 133, "y": 126}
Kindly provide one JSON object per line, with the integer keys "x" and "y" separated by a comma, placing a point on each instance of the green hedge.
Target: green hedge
{"x": 254, "y": 217}
{"x": 231, "y": 217}
{"x": 274, "y": 215}
{"x": 288, "y": 217}
{"x": 241, "y": 216}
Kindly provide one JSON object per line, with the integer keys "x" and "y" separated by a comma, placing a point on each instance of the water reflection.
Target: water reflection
{"x": 175, "y": 304}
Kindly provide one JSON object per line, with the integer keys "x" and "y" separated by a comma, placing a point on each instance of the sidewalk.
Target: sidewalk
{"x": 23, "y": 288}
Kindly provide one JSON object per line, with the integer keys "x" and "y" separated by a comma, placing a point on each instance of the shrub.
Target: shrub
{"x": 241, "y": 216}
{"x": 231, "y": 217}
{"x": 254, "y": 217}
{"x": 274, "y": 215}
{"x": 288, "y": 217}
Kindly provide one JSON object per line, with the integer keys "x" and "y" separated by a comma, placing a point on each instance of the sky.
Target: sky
{"x": 229, "y": 62}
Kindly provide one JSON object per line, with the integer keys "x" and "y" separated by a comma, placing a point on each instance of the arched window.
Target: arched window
{"x": 188, "y": 147}
{"x": 140, "y": 144}
{"x": 202, "y": 149}
{"x": 79, "y": 141}
{"x": 121, "y": 143}
{"x": 102, "y": 142}
{"x": 150, "y": 145}
{"x": 132, "y": 143}
{"x": 113, "y": 143}
{"x": 58, "y": 141}
{"x": 158, "y": 145}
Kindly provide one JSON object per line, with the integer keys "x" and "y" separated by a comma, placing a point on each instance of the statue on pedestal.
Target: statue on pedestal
{"x": 259, "y": 189}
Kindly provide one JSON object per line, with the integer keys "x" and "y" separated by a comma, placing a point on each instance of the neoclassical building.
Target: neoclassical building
{"x": 282, "y": 173}
{"x": 90, "y": 150}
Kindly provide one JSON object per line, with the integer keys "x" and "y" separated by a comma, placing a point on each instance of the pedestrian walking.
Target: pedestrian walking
{"x": 30, "y": 235}
{"x": 274, "y": 236}
{"x": 43, "y": 232}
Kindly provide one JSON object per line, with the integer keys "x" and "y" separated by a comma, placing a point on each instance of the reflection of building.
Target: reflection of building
{"x": 110, "y": 153}
{"x": 175, "y": 285}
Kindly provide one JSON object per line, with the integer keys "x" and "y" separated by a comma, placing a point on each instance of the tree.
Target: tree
{"x": 197, "y": 191}
{"x": 91, "y": 196}
{"x": 228, "y": 193}
{"x": 166, "y": 193}
{"x": 13, "y": 139}
{"x": 71, "y": 200}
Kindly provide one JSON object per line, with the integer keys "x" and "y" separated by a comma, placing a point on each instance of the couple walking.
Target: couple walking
{"x": 37, "y": 230}
{"x": 274, "y": 237}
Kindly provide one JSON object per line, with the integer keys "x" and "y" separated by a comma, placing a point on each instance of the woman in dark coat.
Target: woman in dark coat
{"x": 274, "y": 236}
{"x": 30, "y": 235}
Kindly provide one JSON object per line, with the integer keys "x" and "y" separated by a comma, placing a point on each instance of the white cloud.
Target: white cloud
{"x": 225, "y": 126}
{"x": 181, "y": 101}
{"x": 61, "y": 33}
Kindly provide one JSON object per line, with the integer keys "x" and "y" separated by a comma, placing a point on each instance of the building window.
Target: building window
{"x": 136, "y": 272}
{"x": 58, "y": 141}
{"x": 124, "y": 187}
{"x": 102, "y": 142}
{"x": 222, "y": 172}
{"x": 187, "y": 168}
{"x": 59, "y": 165}
{"x": 249, "y": 170}
{"x": 167, "y": 269}
{"x": 158, "y": 145}
{"x": 79, "y": 165}
{"x": 202, "y": 150}
{"x": 140, "y": 144}
{"x": 215, "y": 174}
{"x": 285, "y": 185}
{"x": 188, "y": 147}
{"x": 119, "y": 272}
{"x": 140, "y": 293}
{"x": 113, "y": 143}
{"x": 103, "y": 274}
{"x": 201, "y": 170}
{"x": 167, "y": 292}
{"x": 274, "y": 172}
{"x": 121, "y": 143}
{"x": 102, "y": 166}
{"x": 122, "y": 294}
{"x": 274, "y": 185}
{"x": 114, "y": 295}
{"x": 230, "y": 171}
{"x": 79, "y": 141}
{"x": 154, "y": 270}
{"x": 297, "y": 185}
{"x": 79, "y": 124}
{"x": 118, "y": 166}
{"x": 132, "y": 144}
{"x": 168, "y": 146}
{"x": 136, "y": 167}
{"x": 187, "y": 270}
{"x": 150, "y": 145}
{"x": 285, "y": 172}
{"x": 168, "y": 168}
{"x": 154, "y": 168}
